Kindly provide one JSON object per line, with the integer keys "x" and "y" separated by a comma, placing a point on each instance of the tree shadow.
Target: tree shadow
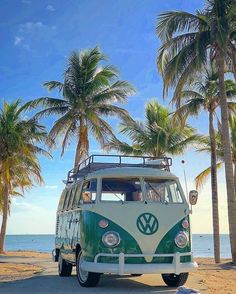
{"x": 227, "y": 266}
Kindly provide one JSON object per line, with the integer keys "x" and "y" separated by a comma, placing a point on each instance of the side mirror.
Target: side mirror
{"x": 193, "y": 197}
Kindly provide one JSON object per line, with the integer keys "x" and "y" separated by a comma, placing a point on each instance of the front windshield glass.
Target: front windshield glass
{"x": 162, "y": 191}
{"x": 120, "y": 190}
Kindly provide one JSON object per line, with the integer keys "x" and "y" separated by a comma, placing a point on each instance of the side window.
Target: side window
{"x": 89, "y": 191}
{"x": 76, "y": 198}
{"x": 62, "y": 199}
{"x": 71, "y": 199}
{"x": 67, "y": 199}
{"x": 175, "y": 193}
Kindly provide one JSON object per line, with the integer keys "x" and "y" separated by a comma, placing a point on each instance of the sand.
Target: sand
{"x": 220, "y": 278}
{"x": 12, "y": 271}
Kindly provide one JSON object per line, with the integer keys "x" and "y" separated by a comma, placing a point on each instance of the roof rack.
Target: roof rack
{"x": 97, "y": 162}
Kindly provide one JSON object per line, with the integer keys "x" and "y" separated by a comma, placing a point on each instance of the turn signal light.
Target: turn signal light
{"x": 185, "y": 224}
{"x": 103, "y": 223}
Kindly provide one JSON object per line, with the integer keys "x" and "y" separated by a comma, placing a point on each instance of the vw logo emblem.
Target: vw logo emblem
{"x": 147, "y": 223}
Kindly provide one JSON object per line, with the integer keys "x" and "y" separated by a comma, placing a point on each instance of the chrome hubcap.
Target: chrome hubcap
{"x": 83, "y": 274}
{"x": 59, "y": 263}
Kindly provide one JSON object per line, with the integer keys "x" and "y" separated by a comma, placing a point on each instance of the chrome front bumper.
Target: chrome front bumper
{"x": 121, "y": 268}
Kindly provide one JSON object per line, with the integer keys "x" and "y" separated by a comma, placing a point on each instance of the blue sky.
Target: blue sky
{"x": 36, "y": 40}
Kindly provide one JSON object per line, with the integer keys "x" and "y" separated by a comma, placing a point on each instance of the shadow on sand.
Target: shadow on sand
{"x": 227, "y": 266}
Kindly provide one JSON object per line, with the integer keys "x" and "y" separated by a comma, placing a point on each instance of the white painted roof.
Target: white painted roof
{"x": 131, "y": 172}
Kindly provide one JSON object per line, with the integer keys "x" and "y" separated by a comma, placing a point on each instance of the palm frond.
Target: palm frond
{"x": 201, "y": 179}
{"x": 117, "y": 92}
{"x": 171, "y": 22}
{"x": 46, "y": 102}
{"x": 52, "y": 85}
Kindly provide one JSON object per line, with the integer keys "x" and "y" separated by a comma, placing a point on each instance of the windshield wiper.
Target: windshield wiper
{"x": 153, "y": 189}
{"x": 114, "y": 193}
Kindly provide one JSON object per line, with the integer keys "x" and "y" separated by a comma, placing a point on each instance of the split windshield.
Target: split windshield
{"x": 121, "y": 190}
{"x": 163, "y": 191}
{"x": 159, "y": 191}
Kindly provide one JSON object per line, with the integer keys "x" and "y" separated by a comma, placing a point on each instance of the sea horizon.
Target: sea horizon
{"x": 202, "y": 244}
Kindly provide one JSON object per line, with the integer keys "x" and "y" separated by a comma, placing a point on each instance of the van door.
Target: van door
{"x": 66, "y": 225}
{"x": 74, "y": 222}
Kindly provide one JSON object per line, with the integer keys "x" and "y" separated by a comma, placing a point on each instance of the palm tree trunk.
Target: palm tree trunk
{"x": 82, "y": 147}
{"x": 234, "y": 66}
{"x": 4, "y": 215}
{"x": 233, "y": 57}
{"x": 231, "y": 199}
{"x": 235, "y": 177}
{"x": 214, "y": 191}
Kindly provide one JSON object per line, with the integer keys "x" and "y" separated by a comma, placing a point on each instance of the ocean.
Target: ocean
{"x": 202, "y": 244}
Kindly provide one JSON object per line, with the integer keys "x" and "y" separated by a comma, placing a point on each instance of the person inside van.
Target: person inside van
{"x": 87, "y": 197}
{"x": 134, "y": 195}
{"x": 137, "y": 196}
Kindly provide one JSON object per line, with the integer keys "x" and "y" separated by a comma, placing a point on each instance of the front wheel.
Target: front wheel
{"x": 64, "y": 268}
{"x": 173, "y": 280}
{"x": 86, "y": 279}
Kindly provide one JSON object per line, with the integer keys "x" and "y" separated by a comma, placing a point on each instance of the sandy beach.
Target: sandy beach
{"x": 209, "y": 278}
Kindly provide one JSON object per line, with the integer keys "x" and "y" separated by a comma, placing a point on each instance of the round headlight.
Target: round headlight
{"x": 181, "y": 240}
{"x": 111, "y": 239}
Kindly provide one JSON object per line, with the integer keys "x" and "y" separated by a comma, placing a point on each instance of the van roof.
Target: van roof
{"x": 131, "y": 172}
{"x": 118, "y": 162}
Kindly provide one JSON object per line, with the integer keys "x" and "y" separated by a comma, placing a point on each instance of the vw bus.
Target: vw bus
{"x": 124, "y": 215}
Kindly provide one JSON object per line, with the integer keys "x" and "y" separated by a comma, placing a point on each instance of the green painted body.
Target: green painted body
{"x": 91, "y": 242}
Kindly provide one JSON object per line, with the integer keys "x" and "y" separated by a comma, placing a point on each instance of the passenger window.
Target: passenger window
{"x": 67, "y": 199}
{"x": 121, "y": 190}
{"x": 61, "y": 202}
{"x": 175, "y": 193}
{"x": 71, "y": 199}
{"x": 77, "y": 194}
{"x": 89, "y": 192}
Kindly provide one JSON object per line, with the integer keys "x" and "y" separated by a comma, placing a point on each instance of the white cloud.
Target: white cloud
{"x": 23, "y": 206}
{"x": 50, "y": 8}
{"x": 51, "y": 186}
{"x": 28, "y": 26}
{"x": 32, "y": 32}
{"x": 18, "y": 41}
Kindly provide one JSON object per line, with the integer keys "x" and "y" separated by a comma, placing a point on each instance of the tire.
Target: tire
{"x": 86, "y": 279}
{"x": 64, "y": 267}
{"x": 173, "y": 280}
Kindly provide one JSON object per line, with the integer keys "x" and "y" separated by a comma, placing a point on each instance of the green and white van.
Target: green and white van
{"x": 124, "y": 215}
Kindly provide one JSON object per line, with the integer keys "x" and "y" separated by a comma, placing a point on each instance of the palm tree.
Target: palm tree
{"x": 19, "y": 167}
{"x": 205, "y": 147}
{"x": 203, "y": 94}
{"x": 187, "y": 42}
{"x": 89, "y": 92}
{"x": 157, "y": 136}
